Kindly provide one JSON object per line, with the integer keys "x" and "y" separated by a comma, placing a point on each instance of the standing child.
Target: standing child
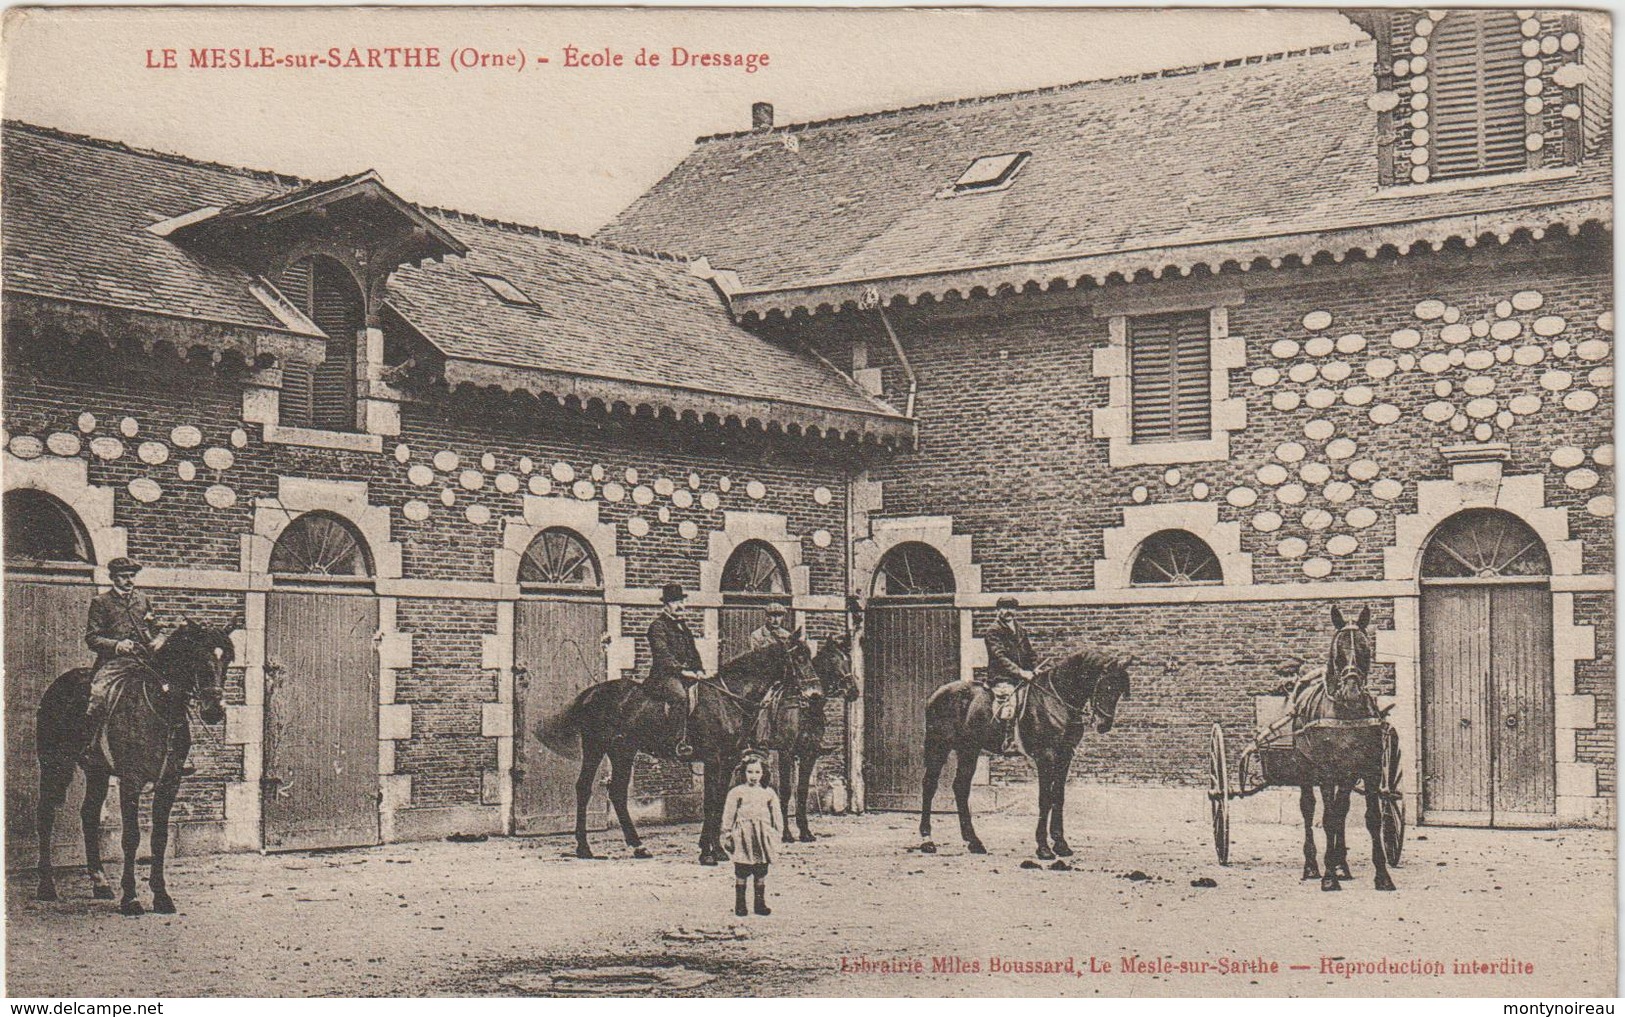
{"x": 750, "y": 829}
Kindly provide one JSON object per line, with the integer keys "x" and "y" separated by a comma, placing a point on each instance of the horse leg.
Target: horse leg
{"x": 620, "y": 783}
{"x": 1046, "y": 803}
{"x": 1057, "y": 812}
{"x": 711, "y": 828}
{"x": 591, "y": 755}
{"x": 54, "y": 778}
{"x": 787, "y": 772}
{"x": 936, "y": 756}
{"x": 965, "y": 771}
{"x": 90, "y": 818}
{"x": 1345, "y": 794}
{"x": 1332, "y": 823}
{"x": 809, "y": 760}
{"x": 163, "y": 800}
{"x": 1373, "y": 825}
{"x": 1306, "y": 806}
{"x": 129, "y": 801}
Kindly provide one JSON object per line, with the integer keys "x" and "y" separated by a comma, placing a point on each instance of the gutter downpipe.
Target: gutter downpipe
{"x": 902, "y": 359}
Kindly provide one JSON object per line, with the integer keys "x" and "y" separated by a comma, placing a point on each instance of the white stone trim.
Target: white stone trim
{"x": 1200, "y": 518}
{"x": 1115, "y": 423}
{"x": 933, "y": 531}
{"x": 344, "y": 498}
{"x": 67, "y": 480}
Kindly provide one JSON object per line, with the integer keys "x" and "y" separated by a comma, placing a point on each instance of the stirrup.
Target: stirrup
{"x": 685, "y": 751}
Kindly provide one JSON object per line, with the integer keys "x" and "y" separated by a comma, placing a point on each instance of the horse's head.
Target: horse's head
{"x": 1111, "y": 685}
{"x": 193, "y": 659}
{"x": 1348, "y": 663}
{"x": 834, "y": 667}
{"x": 799, "y": 673}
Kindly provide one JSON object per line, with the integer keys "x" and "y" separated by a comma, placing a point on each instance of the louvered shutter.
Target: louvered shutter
{"x": 294, "y": 405}
{"x": 1477, "y": 101}
{"x": 1170, "y": 380}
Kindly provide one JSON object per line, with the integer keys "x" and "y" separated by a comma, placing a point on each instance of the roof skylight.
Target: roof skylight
{"x": 990, "y": 172}
{"x": 506, "y": 291}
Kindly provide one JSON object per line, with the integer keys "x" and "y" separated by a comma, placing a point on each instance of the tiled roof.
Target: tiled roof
{"x": 77, "y": 212}
{"x": 1259, "y": 148}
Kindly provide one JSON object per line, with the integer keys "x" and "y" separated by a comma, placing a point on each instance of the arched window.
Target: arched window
{"x": 41, "y": 530}
{"x": 320, "y": 545}
{"x": 323, "y": 395}
{"x": 1484, "y": 544}
{"x": 559, "y": 558}
{"x": 913, "y": 570}
{"x": 1477, "y": 95}
{"x": 754, "y": 568}
{"x": 1174, "y": 558}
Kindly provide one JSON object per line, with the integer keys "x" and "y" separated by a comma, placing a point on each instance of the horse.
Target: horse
{"x": 1339, "y": 734}
{"x": 959, "y": 719}
{"x": 146, "y": 742}
{"x": 618, "y": 719}
{"x": 794, "y": 727}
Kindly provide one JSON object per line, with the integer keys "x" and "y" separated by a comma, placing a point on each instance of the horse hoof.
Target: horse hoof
{"x": 583, "y": 851}
{"x": 102, "y": 892}
{"x": 975, "y": 847}
{"x": 1328, "y": 884}
{"x": 1063, "y": 849}
{"x": 928, "y": 848}
{"x": 131, "y": 907}
{"x": 641, "y": 852}
{"x": 1310, "y": 872}
{"x": 788, "y": 837}
{"x": 708, "y": 860}
{"x": 49, "y": 893}
{"x": 163, "y": 905}
{"x": 807, "y": 837}
{"x": 1343, "y": 872}
{"x": 1386, "y": 884}
{"x": 1045, "y": 854}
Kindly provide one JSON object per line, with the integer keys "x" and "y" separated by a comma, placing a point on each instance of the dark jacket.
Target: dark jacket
{"x": 1009, "y": 652}
{"x": 114, "y": 617}
{"x": 671, "y": 652}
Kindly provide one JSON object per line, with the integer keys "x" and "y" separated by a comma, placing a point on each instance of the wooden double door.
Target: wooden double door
{"x": 557, "y": 653}
{"x": 1488, "y": 725}
{"x": 910, "y": 649}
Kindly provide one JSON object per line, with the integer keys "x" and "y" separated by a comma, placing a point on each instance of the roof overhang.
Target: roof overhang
{"x": 1238, "y": 255}
{"x": 622, "y": 397}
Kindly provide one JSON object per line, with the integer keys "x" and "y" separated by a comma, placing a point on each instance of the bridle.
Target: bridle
{"x": 1350, "y": 633}
{"x": 1044, "y": 681}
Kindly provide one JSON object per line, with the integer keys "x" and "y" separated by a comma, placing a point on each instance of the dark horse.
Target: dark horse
{"x": 1339, "y": 735}
{"x": 147, "y": 740}
{"x": 617, "y": 719}
{"x": 795, "y": 727}
{"x": 1060, "y": 701}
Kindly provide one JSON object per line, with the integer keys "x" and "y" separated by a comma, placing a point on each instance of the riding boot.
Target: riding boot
{"x": 739, "y": 898}
{"x": 1009, "y": 747}
{"x": 761, "y": 898}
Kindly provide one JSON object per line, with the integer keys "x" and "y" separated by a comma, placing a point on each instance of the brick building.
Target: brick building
{"x": 1180, "y": 360}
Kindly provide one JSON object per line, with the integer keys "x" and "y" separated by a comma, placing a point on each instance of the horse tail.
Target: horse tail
{"x": 561, "y": 732}
{"x": 59, "y": 723}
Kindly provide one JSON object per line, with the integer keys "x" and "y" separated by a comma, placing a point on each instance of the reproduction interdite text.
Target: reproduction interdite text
{"x": 452, "y": 58}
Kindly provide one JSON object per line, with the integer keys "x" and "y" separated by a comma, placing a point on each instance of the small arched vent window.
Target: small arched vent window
{"x": 913, "y": 570}
{"x": 322, "y": 546}
{"x": 755, "y": 568}
{"x": 1175, "y": 558}
{"x": 1484, "y": 544}
{"x": 559, "y": 557}
{"x": 41, "y": 530}
{"x": 1477, "y": 95}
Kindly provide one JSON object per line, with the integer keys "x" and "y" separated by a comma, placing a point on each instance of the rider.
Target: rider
{"x": 1009, "y": 661}
{"x": 774, "y": 629}
{"x": 120, "y": 626}
{"x": 674, "y": 660}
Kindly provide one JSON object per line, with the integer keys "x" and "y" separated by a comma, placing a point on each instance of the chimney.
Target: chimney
{"x": 761, "y": 116}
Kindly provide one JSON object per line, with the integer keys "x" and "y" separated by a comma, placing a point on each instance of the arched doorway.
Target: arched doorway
{"x": 1488, "y": 724}
{"x": 320, "y": 785}
{"x": 911, "y": 647}
{"x": 557, "y": 651}
{"x": 753, "y": 579}
{"x": 49, "y": 585}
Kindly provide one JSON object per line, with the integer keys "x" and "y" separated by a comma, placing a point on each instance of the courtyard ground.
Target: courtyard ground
{"x": 522, "y": 916}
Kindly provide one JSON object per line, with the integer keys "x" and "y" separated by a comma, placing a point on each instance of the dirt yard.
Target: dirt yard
{"x": 523, "y": 917}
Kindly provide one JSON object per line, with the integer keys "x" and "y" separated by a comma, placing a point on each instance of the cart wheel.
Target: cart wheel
{"x": 1218, "y": 794}
{"x": 1392, "y": 804}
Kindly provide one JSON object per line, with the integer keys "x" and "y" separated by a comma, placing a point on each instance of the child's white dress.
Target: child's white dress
{"x": 751, "y": 825}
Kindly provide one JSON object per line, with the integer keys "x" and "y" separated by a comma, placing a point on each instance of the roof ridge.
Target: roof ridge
{"x": 282, "y": 179}
{"x": 1029, "y": 93}
{"x": 289, "y": 180}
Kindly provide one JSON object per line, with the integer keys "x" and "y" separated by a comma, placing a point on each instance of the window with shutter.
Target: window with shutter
{"x": 323, "y": 396}
{"x": 1170, "y": 377}
{"x": 1478, "y": 97}
{"x": 294, "y": 406}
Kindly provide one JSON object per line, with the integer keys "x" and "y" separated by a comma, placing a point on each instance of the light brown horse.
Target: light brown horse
{"x": 148, "y": 738}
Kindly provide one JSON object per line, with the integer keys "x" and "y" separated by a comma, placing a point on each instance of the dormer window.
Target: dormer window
{"x": 990, "y": 173}
{"x": 1479, "y": 96}
{"x": 323, "y": 395}
{"x": 506, "y": 291}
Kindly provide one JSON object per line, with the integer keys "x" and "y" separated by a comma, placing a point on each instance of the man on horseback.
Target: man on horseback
{"x": 774, "y": 630}
{"x": 121, "y": 627}
{"x": 1009, "y": 662}
{"x": 674, "y": 660}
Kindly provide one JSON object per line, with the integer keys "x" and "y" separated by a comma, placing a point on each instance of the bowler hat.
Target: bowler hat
{"x": 123, "y": 566}
{"x": 1007, "y": 602}
{"x": 671, "y": 593}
